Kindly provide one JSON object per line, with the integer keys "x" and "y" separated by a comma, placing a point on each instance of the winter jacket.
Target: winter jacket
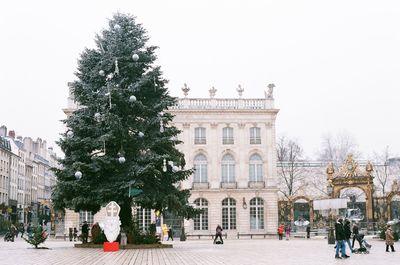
{"x": 389, "y": 237}
{"x": 347, "y": 231}
{"x": 339, "y": 231}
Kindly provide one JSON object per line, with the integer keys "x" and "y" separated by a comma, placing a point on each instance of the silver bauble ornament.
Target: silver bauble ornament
{"x": 70, "y": 134}
{"x": 97, "y": 116}
{"x": 78, "y": 174}
{"x": 117, "y": 27}
{"x": 135, "y": 57}
{"x": 132, "y": 98}
{"x": 102, "y": 73}
{"x": 140, "y": 134}
{"x": 121, "y": 160}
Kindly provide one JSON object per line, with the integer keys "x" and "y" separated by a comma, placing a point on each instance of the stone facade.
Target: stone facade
{"x": 240, "y": 116}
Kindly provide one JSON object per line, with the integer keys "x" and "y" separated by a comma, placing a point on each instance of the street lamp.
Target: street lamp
{"x": 331, "y": 234}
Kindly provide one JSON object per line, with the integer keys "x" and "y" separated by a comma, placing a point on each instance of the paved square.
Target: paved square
{"x": 233, "y": 252}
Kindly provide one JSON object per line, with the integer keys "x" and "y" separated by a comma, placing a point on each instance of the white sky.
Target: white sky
{"x": 335, "y": 64}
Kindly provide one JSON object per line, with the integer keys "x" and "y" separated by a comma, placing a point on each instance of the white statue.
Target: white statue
{"x": 111, "y": 225}
{"x": 270, "y": 94}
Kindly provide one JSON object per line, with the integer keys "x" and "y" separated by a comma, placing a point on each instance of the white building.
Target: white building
{"x": 231, "y": 145}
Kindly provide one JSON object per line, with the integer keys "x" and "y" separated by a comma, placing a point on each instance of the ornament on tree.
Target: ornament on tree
{"x": 175, "y": 169}
{"x": 110, "y": 76}
{"x": 70, "y": 134}
{"x": 140, "y": 134}
{"x": 78, "y": 174}
{"x": 97, "y": 116}
{"x": 161, "y": 127}
{"x": 117, "y": 27}
{"x": 102, "y": 73}
{"x": 161, "y": 113}
{"x": 121, "y": 160}
{"x": 132, "y": 99}
{"x": 135, "y": 57}
{"x": 164, "y": 165}
{"x": 116, "y": 71}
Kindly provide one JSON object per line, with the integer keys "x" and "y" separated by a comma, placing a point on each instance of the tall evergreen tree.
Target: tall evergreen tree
{"x": 121, "y": 135}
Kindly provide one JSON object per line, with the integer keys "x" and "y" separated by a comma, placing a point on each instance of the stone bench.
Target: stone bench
{"x": 254, "y": 234}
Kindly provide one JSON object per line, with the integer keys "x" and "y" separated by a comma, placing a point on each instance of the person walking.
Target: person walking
{"x": 85, "y": 232}
{"x": 29, "y": 230}
{"x": 22, "y": 227}
{"x": 218, "y": 234}
{"x": 75, "y": 233}
{"x": 287, "y": 231}
{"x": 347, "y": 234}
{"x": 389, "y": 239}
{"x": 355, "y": 234}
{"x": 308, "y": 231}
{"x": 170, "y": 234}
{"x": 281, "y": 229}
{"x": 340, "y": 237}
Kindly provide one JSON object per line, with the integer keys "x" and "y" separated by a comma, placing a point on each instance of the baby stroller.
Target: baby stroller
{"x": 364, "y": 246}
{"x": 9, "y": 236}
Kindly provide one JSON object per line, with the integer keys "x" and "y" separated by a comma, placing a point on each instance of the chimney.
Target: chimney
{"x": 11, "y": 134}
{"x": 3, "y": 130}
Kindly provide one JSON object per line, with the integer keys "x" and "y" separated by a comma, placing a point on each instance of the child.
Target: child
{"x": 389, "y": 239}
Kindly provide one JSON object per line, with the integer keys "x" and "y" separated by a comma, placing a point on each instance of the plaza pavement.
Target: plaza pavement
{"x": 201, "y": 252}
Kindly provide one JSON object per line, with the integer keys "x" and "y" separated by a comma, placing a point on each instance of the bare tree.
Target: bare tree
{"x": 289, "y": 154}
{"x": 383, "y": 170}
{"x": 336, "y": 148}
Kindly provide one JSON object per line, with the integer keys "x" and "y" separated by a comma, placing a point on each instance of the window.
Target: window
{"x": 228, "y": 168}
{"x": 256, "y": 213}
{"x": 227, "y": 135}
{"x": 85, "y": 216}
{"x": 200, "y": 135}
{"x": 255, "y": 135}
{"x": 200, "y": 169}
{"x": 200, "y": 222}
{"x": 228, "y": 214}
{"x": 143, "y": 218}
{"x": 255, "y": 168}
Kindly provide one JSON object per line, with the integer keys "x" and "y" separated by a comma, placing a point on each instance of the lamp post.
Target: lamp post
{"x": 331, "y": 234}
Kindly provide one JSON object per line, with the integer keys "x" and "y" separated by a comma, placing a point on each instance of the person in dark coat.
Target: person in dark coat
{"x": 347, "y": 234}
{"x": 355, "y": 234}
{"x": 85, "y": 232}
{"x": 170, "y": 234}
{"x": 218, "y": 234}
{"x": 75, "y": 233}
{"x": 340, "y": 239}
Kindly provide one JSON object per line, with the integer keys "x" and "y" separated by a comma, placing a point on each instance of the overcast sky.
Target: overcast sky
{"x": 335, "y": 64}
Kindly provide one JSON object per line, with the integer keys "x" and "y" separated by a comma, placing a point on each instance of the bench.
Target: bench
{"x": 199, "y": 236}
{"x": 254, "y": 234}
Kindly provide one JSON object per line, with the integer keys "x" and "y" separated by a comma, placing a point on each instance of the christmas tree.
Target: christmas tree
{"x": 120, "y": 142}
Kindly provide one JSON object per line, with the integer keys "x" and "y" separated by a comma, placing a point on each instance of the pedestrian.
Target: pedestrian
{"x": 308, "y": 230}
{"x": 70, "y": 234}
{"x": 85, "y": 232}
{"x": 281, "y": 229}
{"x": 170, "y": 234}
{"x": 218, "y": 234}
{"x": 340, "y": 237}
{"x": 16, "y": 231}
{"x": 29, "y": 230}
{"x": 389, "y": 239}
{"x": 355, "y": 235}
{"x": 13, "y": 231}
{"x": 75, "y": 233}
{"x": 347, "y": 234}
{"x": 22, "y": 228}
{"x": 287, "y": 230}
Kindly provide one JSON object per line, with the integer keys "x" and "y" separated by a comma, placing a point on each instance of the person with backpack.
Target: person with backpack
{"x": 340, "y": 239}
{"x": 218, "y": 234}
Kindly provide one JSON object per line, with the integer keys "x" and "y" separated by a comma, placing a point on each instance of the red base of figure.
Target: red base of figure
{"x": 110, "y": 247}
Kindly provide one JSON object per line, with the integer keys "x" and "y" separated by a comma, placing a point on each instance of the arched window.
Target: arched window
{"x": 255, "y": 168}
{"x": 200, "y": 222}
{"x": 200, "y": 169}
{"x": 256, "y": 213}
{"x": 227, "y": 135}
{"x": 255, "y": 135}
{"x": 228, "y": 168}
{"x": 228, "y": 214}
{"x": 200, "y": 135}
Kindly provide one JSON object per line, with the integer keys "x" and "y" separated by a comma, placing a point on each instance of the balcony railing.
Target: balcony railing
{"x": 256, "y": 184}
{"x": 228, "y": 185}
{"x": 223, "y": 103}
{"x": 200, "y": 185}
